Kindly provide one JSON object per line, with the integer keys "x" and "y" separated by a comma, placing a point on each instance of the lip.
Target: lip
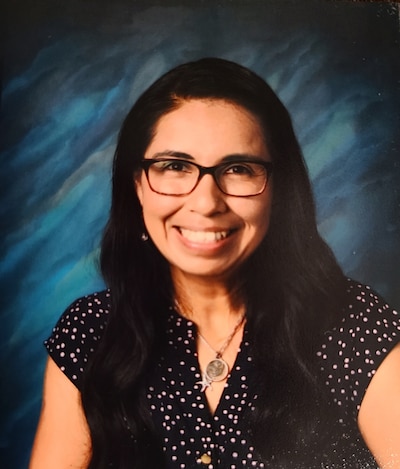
{"x": 204, "y": 237}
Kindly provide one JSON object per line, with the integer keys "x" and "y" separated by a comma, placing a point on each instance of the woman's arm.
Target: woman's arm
{"x": 379, "y": 415}
{"x": 62, "y": 440}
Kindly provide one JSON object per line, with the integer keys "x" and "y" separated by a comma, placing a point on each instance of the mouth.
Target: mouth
{"x": 204, "y": 236}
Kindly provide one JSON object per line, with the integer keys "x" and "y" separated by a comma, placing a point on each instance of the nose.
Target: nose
{"x": 207, "y": 199}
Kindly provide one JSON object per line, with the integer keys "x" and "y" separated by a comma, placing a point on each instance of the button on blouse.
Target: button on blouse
{"x": 349, "y": 355}
{"x": 179, "y": 406}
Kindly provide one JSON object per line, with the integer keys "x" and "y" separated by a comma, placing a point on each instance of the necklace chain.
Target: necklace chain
{"x": 217, "y": 369}
{"x": 225, "y": 345}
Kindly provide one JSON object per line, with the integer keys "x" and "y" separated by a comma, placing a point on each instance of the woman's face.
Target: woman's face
{"x": 206, "y": 233}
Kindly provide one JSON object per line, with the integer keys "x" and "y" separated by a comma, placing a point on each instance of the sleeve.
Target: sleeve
{"x": 77, "y": 333}
{"x": 354, "y": 350}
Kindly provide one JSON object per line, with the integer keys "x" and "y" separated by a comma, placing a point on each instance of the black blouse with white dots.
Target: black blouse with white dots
{"x": 193, "y": 437}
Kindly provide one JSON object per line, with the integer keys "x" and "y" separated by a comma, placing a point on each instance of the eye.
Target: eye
{"x": 177, "y": 166}
{"x": 241, "y": 169}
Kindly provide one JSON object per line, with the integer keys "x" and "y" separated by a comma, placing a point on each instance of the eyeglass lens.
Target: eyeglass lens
{"x": 180, "y": 177}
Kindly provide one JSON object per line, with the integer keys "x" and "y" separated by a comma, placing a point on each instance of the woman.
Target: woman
{"x": 229, "y": 336}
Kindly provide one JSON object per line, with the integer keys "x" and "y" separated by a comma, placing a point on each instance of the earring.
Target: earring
{"x": 144, "y": 237}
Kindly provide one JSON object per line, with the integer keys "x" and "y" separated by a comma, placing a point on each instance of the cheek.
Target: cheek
{"x": 156, "y": 207}
{"x": 258, "y": 216}
{"x": 261, "y": 225}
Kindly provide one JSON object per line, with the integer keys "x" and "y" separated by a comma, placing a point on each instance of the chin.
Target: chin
{"x": 221, "y": 272}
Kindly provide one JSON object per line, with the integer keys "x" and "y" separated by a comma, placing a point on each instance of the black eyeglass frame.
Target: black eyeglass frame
{"x": 203, "y": 170}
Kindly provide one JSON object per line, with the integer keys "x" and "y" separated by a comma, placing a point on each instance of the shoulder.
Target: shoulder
{"x": 368, "y": 319}
{"x": 77, "y": 333}
{"x": 366, "y": 316}
{"x": 366, "y": 331}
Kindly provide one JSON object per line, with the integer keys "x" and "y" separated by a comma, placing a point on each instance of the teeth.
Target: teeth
{"x": 204, "y": 236}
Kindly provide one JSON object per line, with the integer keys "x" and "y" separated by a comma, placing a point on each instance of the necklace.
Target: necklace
{"x": 217, "y": 369}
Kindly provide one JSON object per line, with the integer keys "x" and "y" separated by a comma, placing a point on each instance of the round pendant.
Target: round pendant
{"x": 217, "y": 370}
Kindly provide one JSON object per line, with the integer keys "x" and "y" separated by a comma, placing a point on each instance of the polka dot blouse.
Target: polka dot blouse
{"x": 193, "y": 438}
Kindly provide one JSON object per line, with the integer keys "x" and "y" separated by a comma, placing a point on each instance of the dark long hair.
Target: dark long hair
{"x": 292, "y": 283}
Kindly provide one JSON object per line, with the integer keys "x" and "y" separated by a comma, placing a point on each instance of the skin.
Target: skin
{"x": 379, "y": 415}
{"x": 206, "y": 132}
{"x": 203, "y": 275}
{"x": 202, "y": 266}
{"x": 62, "y": 439}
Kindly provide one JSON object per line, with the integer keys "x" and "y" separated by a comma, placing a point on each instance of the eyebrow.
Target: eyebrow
{"x": 226, "y": 159}
{"x": 175, "y": 154}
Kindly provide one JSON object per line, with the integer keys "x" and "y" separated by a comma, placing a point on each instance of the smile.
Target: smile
{"x": 204, "y": 236}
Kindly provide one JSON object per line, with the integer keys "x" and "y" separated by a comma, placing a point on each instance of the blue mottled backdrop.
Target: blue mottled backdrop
{"x": 71, "y": 72}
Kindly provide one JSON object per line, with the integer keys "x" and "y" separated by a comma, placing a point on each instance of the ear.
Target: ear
{"x": 137, "y": 179}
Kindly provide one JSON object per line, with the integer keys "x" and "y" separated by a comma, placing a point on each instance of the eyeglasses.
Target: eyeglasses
{"x": 175, "y": 176}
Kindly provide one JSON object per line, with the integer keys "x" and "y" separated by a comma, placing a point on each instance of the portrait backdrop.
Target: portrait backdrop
{"x": 72, "y": 70}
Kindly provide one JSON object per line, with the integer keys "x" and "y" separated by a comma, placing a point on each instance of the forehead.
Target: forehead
{"x": 208, "y": 127}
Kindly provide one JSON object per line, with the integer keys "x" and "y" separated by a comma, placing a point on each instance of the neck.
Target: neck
{"x": 212, "y": 304}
